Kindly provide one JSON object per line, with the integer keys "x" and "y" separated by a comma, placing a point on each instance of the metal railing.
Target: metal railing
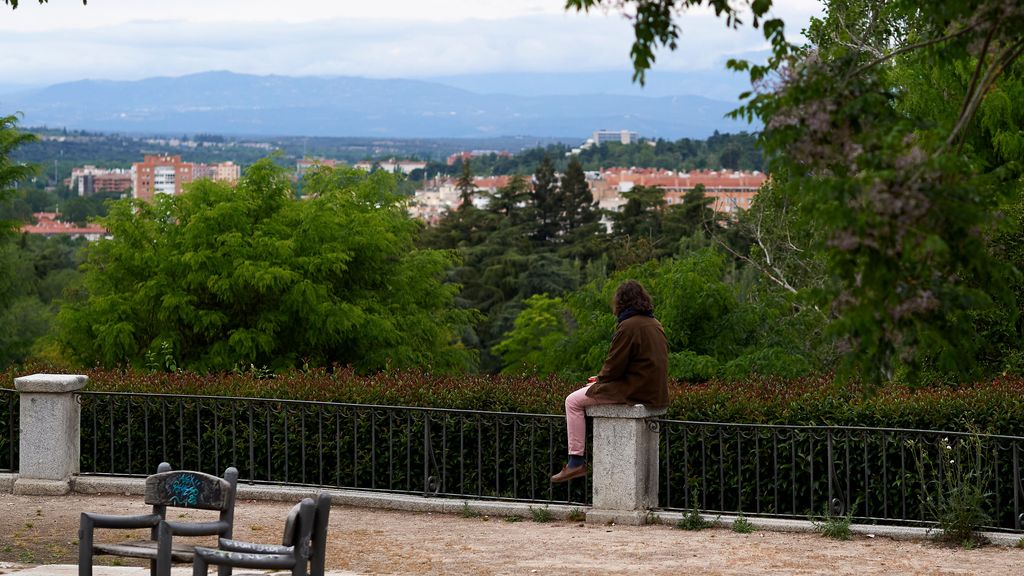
{"x": 488, "y": 455}
{"x": 874, "y": 475}
{"x": 9, "y": 424}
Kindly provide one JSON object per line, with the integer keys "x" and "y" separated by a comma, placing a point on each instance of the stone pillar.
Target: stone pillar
{"x": 625, "y": 458}
{"x": 50, "y": 436}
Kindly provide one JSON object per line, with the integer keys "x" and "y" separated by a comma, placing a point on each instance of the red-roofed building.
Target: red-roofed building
{"x": 730, "y": 190}
{"x": 48, "y": 225}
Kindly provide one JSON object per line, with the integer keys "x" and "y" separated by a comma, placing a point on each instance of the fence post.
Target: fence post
{"x": 625, "y": 458}
{"x": 50, "y": 433}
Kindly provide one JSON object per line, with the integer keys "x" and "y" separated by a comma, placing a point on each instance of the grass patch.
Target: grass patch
{"x": 468, "y": 512}
{"x": 541, "y": 514}
{"x": 742, "y": 526}
{"x": 513, "y": 519}
{"x": 834, "y": 527}
{"x": 576, "y": 515}
{"x": 692, "y": 520}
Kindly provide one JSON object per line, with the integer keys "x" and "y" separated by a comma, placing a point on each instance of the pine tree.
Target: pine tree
{"x": 577, "y": 207}
{"x": 693, "y": 216}
{"x": 546, "y": 196}
{"x": 465, "y": 185}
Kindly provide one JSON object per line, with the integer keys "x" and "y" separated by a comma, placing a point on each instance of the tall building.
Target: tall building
{"x": 159, "y": 175}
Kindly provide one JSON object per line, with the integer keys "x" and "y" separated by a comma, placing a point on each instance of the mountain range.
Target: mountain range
{"x": 241, "y": 104}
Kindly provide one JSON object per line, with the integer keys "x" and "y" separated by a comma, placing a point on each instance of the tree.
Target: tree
{"x": 895, "y": 127}
{"x": 545, "y": 197}
{"x": 641, "y": 216}
{"x": 10, "y": 172}
{"x": 465, "y": 184}
{"x": 229, "y": 278}
{"x": 578, "y": 206}
{"x": 693, "y": 216}
{"x": 582, "y": 233}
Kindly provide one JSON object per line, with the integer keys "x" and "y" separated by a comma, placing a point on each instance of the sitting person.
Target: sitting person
{"x": 634, "y": 372}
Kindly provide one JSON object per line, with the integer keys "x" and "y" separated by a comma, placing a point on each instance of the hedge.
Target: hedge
{"x": 995, "y": 406}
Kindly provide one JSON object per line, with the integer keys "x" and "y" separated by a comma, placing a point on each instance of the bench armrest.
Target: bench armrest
{"x": 243, "y": 560}
{"x": 229, "y": 545}
{"x": 92, "y": 520}
{"x": 196, "y": 528}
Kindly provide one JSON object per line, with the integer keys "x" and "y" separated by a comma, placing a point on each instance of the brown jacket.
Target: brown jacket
{"x": 636, "y": 368}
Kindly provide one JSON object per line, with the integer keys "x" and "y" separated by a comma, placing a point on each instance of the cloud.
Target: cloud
{"x": 321, "y": 38}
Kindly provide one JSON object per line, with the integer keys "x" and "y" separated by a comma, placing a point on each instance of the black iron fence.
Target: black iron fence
{"x": 8, "y": 430}
{"x": 484, "y": 455}
{"x": 870, "y": 474}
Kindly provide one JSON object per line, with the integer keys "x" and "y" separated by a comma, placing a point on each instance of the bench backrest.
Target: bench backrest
{"x": 189, "y": 489}
{"x": 306, "y": 528}
{"x": 318, "y": 542}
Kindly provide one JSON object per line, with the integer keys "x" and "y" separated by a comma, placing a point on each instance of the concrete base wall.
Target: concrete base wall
{"x": 100, "y": 485}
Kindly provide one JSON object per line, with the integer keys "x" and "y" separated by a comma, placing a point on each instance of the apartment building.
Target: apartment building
{"x": 169, "y": 174}
{"x": 222, "y": 172}
{"x": 160, "y": 174}
{"x": 89, "y": 180}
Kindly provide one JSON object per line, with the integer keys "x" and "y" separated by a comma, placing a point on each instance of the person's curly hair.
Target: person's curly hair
{"x": 630, "y": 294}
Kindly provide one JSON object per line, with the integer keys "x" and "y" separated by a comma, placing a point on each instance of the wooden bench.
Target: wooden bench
{"x": 303, "y": 546}
{"x": 166, "y": 488}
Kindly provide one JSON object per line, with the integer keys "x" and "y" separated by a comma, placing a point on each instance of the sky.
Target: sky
{"x": 134, "y": 39}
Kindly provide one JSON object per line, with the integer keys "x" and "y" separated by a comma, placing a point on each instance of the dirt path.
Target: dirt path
{"x": 35, "y": 530}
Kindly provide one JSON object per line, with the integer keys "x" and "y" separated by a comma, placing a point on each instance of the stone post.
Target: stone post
{"x": 625, "y": 458}
{"x": 50, "y": 436}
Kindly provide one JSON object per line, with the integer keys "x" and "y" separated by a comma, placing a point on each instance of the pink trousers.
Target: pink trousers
{"x": 576, "y": 419}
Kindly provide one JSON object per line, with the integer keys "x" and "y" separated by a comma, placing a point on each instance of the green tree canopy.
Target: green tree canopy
{"x": 231, "y": 277}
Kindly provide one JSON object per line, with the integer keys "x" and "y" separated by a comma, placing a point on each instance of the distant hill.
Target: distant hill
{"x": 229, "y": 103}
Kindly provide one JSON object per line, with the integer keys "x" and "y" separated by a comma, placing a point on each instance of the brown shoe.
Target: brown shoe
{"x": 569, "y": 473}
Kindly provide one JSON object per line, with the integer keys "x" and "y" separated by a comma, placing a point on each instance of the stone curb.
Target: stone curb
{"x": 411, "y": 503}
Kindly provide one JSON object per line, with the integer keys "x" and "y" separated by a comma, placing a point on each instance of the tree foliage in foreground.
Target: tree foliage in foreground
{"x": 896, "y": 131}
{"x": 221, "y": 278}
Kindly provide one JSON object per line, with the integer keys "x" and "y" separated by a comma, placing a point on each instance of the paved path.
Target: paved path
{"x": 72, "y": 570}
{"x": 40, "y": 533}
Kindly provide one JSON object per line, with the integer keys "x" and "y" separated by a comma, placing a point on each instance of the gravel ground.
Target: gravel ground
{"x": 43, "y": 530}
